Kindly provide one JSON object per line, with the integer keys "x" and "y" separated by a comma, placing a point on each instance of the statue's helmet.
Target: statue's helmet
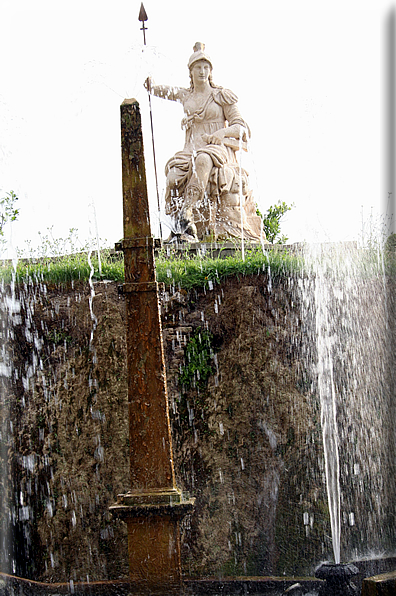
{"x": 199, "y": 54}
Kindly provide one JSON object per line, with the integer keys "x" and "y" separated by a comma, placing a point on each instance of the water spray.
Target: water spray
{"x": 241, "y": 198}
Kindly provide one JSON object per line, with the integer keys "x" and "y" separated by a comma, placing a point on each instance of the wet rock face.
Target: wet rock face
{"x": 234, "y": 429}
{"x": 238, "y": 435}
{"x": 69, "y": 446}
{"x": 245, "y": 427}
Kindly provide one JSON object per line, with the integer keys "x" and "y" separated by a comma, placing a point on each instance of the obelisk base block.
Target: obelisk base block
{"x": 154, "y": 553}
{"x": 153, "y": 521}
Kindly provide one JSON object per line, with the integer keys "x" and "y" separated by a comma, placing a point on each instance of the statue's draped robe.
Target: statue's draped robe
{"x": 219, "y": 109}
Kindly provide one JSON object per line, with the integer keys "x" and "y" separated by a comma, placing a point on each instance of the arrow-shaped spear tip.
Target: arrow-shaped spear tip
{"x": 142, "y": 14}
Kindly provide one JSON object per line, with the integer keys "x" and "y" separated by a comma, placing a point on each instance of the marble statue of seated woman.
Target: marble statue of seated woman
{"x": 197, "y": 178}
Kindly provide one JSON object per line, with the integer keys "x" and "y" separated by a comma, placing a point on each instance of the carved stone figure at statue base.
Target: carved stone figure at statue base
{"x": 207, "y": 191}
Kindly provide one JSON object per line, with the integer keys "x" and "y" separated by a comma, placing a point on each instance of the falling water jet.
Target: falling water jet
{"x": 336, "y": 289}
{"x": 241, "y": 200}
{"x": 327, "y": 395}
{"x": 97, "y": 239}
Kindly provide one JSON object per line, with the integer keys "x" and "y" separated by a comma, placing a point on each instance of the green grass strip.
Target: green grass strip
{"x": 196, "y": 271}
{"x": 175, "y": 270}
{"x": 67, "y": 268}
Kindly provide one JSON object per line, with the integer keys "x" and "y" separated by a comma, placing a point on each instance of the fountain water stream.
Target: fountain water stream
{"x": 327, "y": 395}
{"x": 351, "y": 366}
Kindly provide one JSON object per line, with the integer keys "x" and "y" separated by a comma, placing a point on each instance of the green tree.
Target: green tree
{"x": 271, "y": 222}
{"x": 8, "y": 212}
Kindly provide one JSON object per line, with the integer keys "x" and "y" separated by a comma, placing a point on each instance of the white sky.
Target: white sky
{"x": 310, "y": 76}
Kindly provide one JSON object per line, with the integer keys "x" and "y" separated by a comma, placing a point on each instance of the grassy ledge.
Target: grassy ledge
{"x": 181, "y": 270}
{"x": 196, "y": 271}
{"x": 175, "y": 269}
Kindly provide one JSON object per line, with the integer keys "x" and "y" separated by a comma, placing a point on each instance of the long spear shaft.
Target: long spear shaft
{"x": 143, "y": 18}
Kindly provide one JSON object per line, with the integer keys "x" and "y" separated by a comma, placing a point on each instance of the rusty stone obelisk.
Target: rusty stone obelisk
{"x": 153, "y": 506}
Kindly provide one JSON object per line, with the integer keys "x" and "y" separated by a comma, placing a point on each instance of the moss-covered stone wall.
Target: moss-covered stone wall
{"x": 245, "y": 425}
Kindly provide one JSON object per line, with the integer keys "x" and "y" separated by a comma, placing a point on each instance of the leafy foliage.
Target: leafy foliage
{"x": 390, "y": 244}
{"x": 198, "y": 360}
{"x": 271, "y": 222}
{"x": 8, "y": 212}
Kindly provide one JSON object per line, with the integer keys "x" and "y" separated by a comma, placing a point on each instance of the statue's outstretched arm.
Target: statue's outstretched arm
{"x": 165, "y": 91}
